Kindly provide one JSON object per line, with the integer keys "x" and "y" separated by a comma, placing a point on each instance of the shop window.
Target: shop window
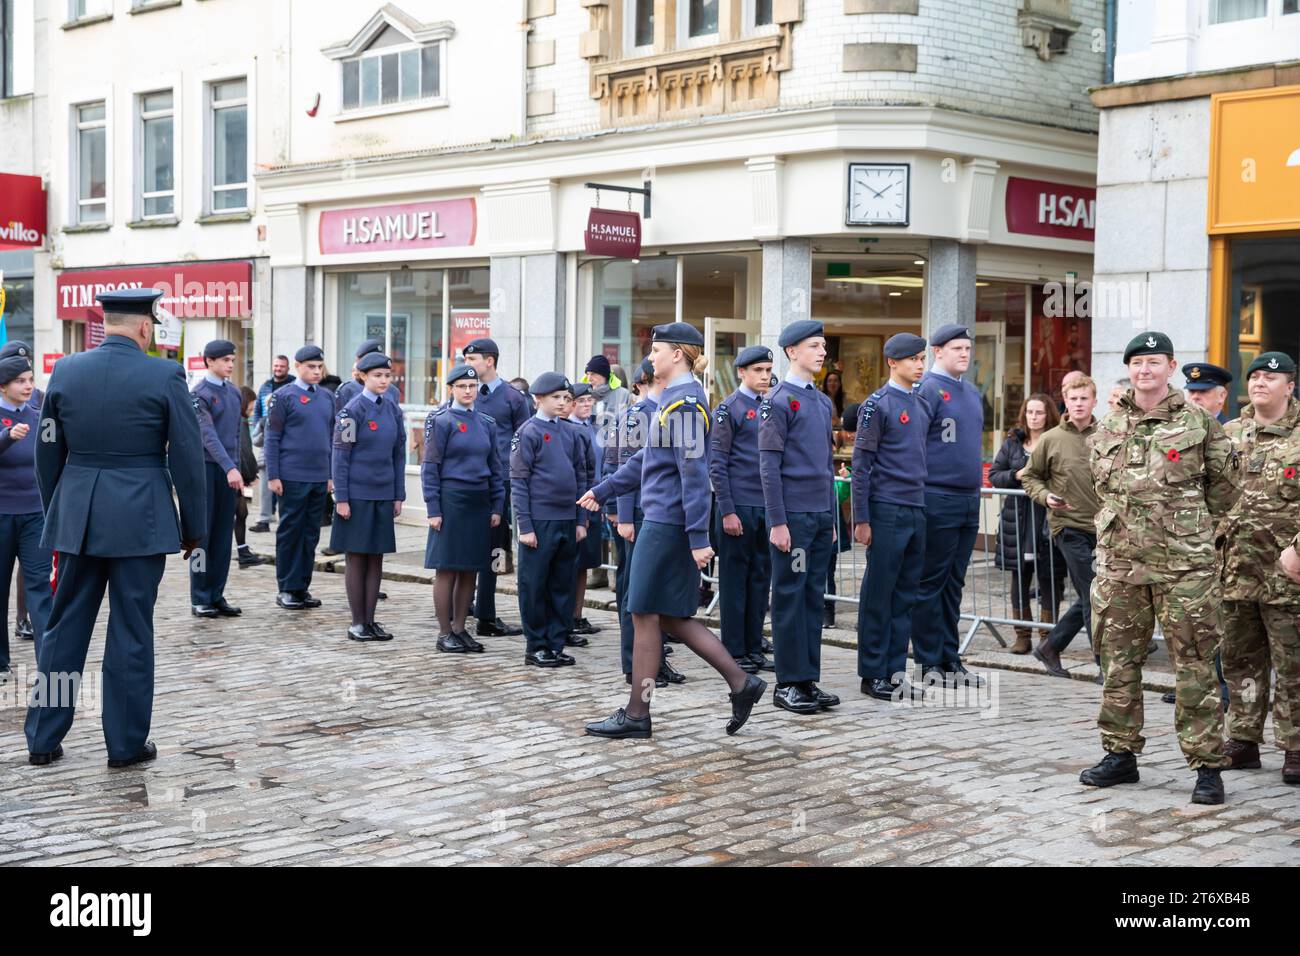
{"x": 18, "y": 322}
{"x": 228, "y": 135}
{"x": 1264, "y": 305}
{"x": 631, "y": 298}
{"x": 1230, "y": 11}
{"x": 90, "y": 159}
{"x": 157, "y": 196}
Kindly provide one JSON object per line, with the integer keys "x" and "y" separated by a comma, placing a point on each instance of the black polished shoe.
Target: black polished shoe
{"x": 762, "y": 663}
{"x": 474, "y": 646}
{"x": 451, "y": 644}
{"x": 659, "y": 681}
{"x": 289, "y": 601}
{"x": 204, "y": 610}
{"x": 542, "y": 659}
{"x": 824, "y": 700}
{"x": 621, "y": 727}
{"x": 794, "y": 698}
{"x": 746, "y": 664}
{"x": 573, "y": 640}
{"x": 143, "y": 755}
{"x": 307, "y": 600}
{"x": 582, "y": 626}
{"x": 882, "y": 689}
{"x": 828, "y": 614}
{"x": 1209, "y": 786}
{"x": 743, "y": 701}
{"x": 1114, "y": 768}
{"x": 767, "y": 646}
{"x": 361, "y": 632}
{"x": 250, "y": 561}
{"x": 565, "y": 659}
{"x": 381, "y": 631}
{"x": 226, "y": 609}
{"x": 260, "y": 528}
{"x": 497, "y": 628}
{"x": 383, "y": 596}
{"x": 42, "y": 760}
{"x": 1169, "y": 697}
{"x": 23, "y": 630}
{"x": 669, "y": 674}
{"x": 668, "y": 649}
{"x": 961, "y": 677}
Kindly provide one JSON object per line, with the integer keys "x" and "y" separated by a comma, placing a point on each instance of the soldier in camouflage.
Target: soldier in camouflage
{"x": 1164, "y": 471}
{"x": 1261, "y": 604}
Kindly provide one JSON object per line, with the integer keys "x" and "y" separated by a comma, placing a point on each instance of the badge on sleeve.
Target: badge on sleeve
{"x": 514, "y": 442}
{"x": 720, "y": 413}
{"x": 765, "y": 409}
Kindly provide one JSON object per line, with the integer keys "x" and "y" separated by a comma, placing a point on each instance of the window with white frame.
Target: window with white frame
{"x": 90, "y": 162}
{"x": 1229, "y": 11}
{"x": 228, "y": 153}
{"x": 762, "y": 13}
{"x": 639, "y": 27}
{"x": 157, "y": 197}
{"x": 393, "y": 71}
{"x": 697, "y": 22}
{"x": 82, "y": 9}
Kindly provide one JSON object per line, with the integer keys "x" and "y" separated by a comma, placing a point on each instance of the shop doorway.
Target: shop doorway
{"x": 724, "y": 339}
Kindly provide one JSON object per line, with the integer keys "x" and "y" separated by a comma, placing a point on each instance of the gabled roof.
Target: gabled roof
{"x": 386, "y": 16}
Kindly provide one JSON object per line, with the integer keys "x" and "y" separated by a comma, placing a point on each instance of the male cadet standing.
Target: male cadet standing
{"x": 1164, "y": 471}
{"x": 23, "y": 625}
{"x": 797, "y": 470}
{"x": 889, "y": 516}
{"x": 510, "y": 409}
{"x": 954, "y": 475}
{"x": 1261, "y": 604}
{"x": 299, "y": 441}
{"x": 217, "y": 403}
{"x": 119, "y": 433}
{"x": 744, "y": 564}
{"x": 1207, "y": 385}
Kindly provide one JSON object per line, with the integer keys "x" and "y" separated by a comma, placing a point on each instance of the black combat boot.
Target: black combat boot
{"x": 1114, "y": 768}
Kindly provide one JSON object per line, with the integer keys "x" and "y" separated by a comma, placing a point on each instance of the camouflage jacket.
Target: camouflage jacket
{"x": 1162, "y": 478}
{"x": 1266, "y": 519}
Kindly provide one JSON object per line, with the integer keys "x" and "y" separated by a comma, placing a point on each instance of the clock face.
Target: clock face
{"x": 878, "y": 194}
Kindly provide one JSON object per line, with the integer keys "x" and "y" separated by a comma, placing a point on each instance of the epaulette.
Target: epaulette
{"x": 487, "y": 418}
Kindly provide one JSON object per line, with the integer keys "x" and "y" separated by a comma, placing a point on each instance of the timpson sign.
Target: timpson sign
{"x": 198, "y": 290}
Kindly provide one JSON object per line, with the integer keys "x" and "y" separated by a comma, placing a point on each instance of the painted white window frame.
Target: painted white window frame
{"x": 210, "y": 107}
{"x": 78, "y": 126}
{"x": 141, "y": 117}
{"x": 1265, "y": 39}
{"x": 88, "y": 9}
{"x": 630, "y": 49}
{"x": 749, "y": 12}
{"x": 684, "y": 39}
{"x": 399, "y": 105}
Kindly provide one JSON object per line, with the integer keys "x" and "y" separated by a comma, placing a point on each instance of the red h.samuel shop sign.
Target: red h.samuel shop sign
{"x": 1036, "y": 207}
{"x": 612, "y": 232}
{"x": 192, "y": 290}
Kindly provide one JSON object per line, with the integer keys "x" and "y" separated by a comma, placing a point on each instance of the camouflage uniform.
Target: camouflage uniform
{"x": 1261, "y": 604}
{"x": 1161, "y": 476}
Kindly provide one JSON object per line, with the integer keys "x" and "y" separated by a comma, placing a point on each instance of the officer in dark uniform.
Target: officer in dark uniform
{"x": 744, "y": 564}
{"x": 548, "y": 469}
{"x": 889, "y": 516}
{"x": 1207, "y": 386}
{"x": 217, "y": 402}
{"x": 509, "y": 408}
{"x": 796, "y": 463}
{"x": 299, "y": 438}
{"x": 23, "y": 625}
{"x": 109, "y": 514}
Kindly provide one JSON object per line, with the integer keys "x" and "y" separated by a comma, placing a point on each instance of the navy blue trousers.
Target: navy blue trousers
{"x": 127, "y": 679}
{"x": 744, "y": 581}
{"x": 209, "y": 585}
{"x": 797, "y": 596}
{"x": 546, "y": 576}
{"x": 889, "y": 590}
{"x": 20, "y": 539}
{"x": 485, "y": 589}
{"x": 302, "y": 506}
{"x": 951, "y": 524}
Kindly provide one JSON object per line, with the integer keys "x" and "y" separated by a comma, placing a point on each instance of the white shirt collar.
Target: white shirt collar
{"x": 942, "y": 374}
{"x": 794, "y": 379}
{"x": 748, "y": 392}
{"x": 216, "y": 380}
{"x": 893, "y": 384}
{"x": 493, "y": 385}
{"x": 543, "y": 416}
{"x": 371, "y": 395}
{"x": 4, "y": 403}
{"x": 302, "y": 385}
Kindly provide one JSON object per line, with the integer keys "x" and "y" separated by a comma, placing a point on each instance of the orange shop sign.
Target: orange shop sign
{"x": 1255, "y": 161}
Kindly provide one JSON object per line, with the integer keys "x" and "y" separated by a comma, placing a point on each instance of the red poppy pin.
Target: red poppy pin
{"x": 374, "y": 426}
{"x": 1289, "y": 473}
{"x": 794, "y": 404}
{"x": 904, "y": 418}
{"x": 947, "y": 396}
{"x": 304, "y": 399}
{"x": 6, "y": 422}
{"x": 1173, "y": 455}
{"x": 751, "y": 413}
{"x": 464, "y": 427}
{"x": 546, "y": 436}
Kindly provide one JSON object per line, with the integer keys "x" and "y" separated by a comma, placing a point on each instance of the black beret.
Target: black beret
{"x": 679, "y": 333}
{"x": 12, "y": 367}
{"x": 903, "y": 345}
{"x": 218, "y": 348}
{"x": 580, "y": 389}
{"x": 368, "y": 346}
{"x": 946, "y": 333}
{"x": 1272, "y": 362}
{"x": 130, "y": 301}
{"x": 309, "y": 353}
{"x": 549, "y": 382}
{"x": 754, "y": 353}
{"x": 482, "y": 347}
{"x": 372, "y": 361}
{"x": 1149, "y": 343}
{"x": 1202, "y": 376}
{"x": 796, "y": 332}
{"x": 849, "y": 422}
{"x": 15, "y": 347}
{"x": 462, "y": 371}
{"x": 648, "y": 368}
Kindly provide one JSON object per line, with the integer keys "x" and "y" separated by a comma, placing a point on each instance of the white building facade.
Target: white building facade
{"x": 23, "y": 149}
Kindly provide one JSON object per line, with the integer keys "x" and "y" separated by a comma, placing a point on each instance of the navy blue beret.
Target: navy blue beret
{"x": 130, "y": 301}
{"x": 648, "y": 368}
{"x": 368, "y": 346}
{"x": 482, "y": 347}
{"x": 903, "y": 345}
{"x": 1202, "y": 376}
{"x": 946, "y": 333}
{"x": 752, "y": 354}
{"x": 372, "y": 361}
{"x": 796, "y": 332}
{"x": 309, "y": 353}
{"x": 679, "y": 333}
{"x": 462, "y": 371}
{"x": 218, "y": 348}
{"x": 580, "y": 389}
{"x": 549, "y": 382}
{"x": 12, "y": 367}
{"x": 15, "y": 347}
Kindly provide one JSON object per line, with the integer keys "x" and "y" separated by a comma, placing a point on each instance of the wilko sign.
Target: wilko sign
{"x": 195, "y": 290}
{"x": 48, "y": 360}
{"x": 22, "y": 211}
{"x": 416, "y": 225}
{"x": 1039, "y": 208}
{"x": 612, "y": 232}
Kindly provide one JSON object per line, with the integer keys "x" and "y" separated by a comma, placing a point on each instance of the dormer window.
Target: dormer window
{"x": 394, "y": 63}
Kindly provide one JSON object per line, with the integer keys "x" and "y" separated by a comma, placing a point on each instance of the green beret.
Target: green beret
{"x": 1272, "y": 362}
{"x": 1149, "y": 343}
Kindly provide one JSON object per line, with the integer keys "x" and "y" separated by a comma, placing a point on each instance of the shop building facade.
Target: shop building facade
{"x": 22, "y": 165}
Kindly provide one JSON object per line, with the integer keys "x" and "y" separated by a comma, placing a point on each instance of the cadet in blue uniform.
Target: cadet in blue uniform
{"x": 369, "y": 470}
{"x": 672, "y": 471}
{"x": 353, "y": 386}
{"x": 218, "y": 403}
{"x": 954, "y": 476}
{"x": 464, "y": 494}
{"x": 122, "y": 437}
{"x": 21, "y": 519}
{"x": 509, "y": 408}
{"x": 590, "y": 551}
{"x": 744, "y": 564}
{"x": 889, "y": 516}
{"x": 1207, "y": 386}
{"x": 796, "y": 452}
{"x": 299, "y": 429}
{"x": 23, "y": 624}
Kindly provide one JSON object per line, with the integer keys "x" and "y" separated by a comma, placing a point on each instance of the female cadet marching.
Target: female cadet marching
{"x": 589, "y": 551}
{"x": 464, "y": 491}
{"x": 663, "y": 584}
{"x": 21, "y": 513}
{"x": 369, "y": 471}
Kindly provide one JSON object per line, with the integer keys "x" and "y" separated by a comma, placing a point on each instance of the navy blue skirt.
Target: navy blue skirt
{"x": 663, "y": 578}
{"x": 464, "y": 543}
{"x": 368, "y": 531}
{"x": 589, "y": 549}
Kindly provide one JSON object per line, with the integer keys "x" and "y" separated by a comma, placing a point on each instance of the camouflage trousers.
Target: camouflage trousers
{"x": 1258, "y": 638}
{"x": 1123, "y": 620}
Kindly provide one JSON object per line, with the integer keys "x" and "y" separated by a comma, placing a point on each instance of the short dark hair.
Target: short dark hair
{"x": 282, "y": 358}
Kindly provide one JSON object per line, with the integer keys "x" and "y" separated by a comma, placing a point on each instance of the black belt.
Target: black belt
{"x": 86, "y": 460}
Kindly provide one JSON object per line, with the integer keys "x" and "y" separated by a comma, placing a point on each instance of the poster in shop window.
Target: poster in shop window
{"x": 466, "y": 326}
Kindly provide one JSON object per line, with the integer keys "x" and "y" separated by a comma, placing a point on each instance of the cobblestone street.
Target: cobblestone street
{"x": 282, "y": 742}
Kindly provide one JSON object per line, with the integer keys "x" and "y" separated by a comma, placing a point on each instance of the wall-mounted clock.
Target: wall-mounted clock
{"x": 879, "y": 194}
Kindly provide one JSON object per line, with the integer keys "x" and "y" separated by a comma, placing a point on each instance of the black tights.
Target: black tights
{"x": 452, "y": 593}
{"x": 361, "y": 574}
{"x": 647, "y": 652}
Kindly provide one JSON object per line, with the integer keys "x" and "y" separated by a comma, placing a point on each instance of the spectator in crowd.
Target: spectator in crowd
{"x": 1067, "y": 380}
{"x": 833, "y": 386}
{"x": 279, "y": 378}
{"x": 1116, "y": 393}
